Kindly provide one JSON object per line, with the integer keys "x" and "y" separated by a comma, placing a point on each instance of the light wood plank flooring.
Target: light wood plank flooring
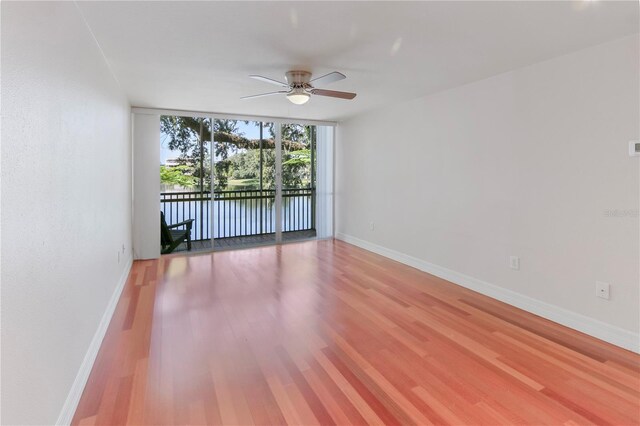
{"x": 323, "y": 332}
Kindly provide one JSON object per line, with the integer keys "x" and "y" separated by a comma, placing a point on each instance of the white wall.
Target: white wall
{"x": 66, "y": 198}
{"x": 525, "y": 163}
{"x": 324, "y": 181}
{"x": 146, "y": 186}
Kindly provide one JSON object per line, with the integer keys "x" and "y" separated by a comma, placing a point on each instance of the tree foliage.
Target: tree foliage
{"x": 236, "y": 156}
{"x": 181, "y": 175}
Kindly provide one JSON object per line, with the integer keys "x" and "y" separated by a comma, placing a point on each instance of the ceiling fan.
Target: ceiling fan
{"x": 300, "y": 86}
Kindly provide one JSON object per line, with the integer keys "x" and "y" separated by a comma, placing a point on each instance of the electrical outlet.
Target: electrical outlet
{"x": 514, "y": 263}
{"x": 603, "y": 290}
{"x": 372, "y": 226}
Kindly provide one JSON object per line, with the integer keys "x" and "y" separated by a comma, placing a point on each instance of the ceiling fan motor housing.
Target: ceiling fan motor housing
{"x": 298, "y": 78}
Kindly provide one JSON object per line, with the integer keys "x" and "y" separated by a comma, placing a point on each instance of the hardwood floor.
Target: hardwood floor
{"x": 323, "y": 332}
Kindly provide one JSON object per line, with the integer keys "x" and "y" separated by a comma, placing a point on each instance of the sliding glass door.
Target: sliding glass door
{"x": 185, "y": 181}
{"x": 298, "y": 165}
{"x": 239, "y": 183}
{"x": 264, "y": 184}
{"x": 244, "y": 190}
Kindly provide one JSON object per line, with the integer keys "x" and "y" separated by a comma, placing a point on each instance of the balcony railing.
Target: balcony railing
{"x": 240, "y": 213}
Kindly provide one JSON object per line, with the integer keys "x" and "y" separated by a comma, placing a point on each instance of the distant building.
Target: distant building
{"x": 170, "y": 162}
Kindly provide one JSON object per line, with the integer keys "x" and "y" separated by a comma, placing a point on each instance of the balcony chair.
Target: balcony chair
{"x": 170, "y": 238}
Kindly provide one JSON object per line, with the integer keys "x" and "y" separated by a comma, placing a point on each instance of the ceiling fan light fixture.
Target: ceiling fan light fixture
{"x": 300, "y": 86}
{"x": 298, "y": 96}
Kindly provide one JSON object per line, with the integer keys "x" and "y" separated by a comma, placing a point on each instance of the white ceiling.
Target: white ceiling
{"x": 198, "y": 55}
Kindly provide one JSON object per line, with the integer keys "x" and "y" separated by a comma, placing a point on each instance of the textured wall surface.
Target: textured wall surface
{"x": 66, "y": 202}
{"x": 531, "y": 163}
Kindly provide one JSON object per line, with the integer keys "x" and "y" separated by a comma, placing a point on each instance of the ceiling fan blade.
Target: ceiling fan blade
{"x": 333, "y": 94}
{"x": 264, "y": 94}
{"x": 269, "y": 80}
{"x": 332, "y": 77}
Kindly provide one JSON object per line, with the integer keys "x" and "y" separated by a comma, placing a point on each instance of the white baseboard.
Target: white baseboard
{"x": 609, "y": 333}
{"x": 73, "y": 398}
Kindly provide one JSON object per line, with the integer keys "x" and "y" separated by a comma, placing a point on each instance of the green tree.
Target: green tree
{"x": 296, "y": 168}
{"x": 177, "y": 175}
{"x": 190, "y": 136}
{"x": 245, "y": 165}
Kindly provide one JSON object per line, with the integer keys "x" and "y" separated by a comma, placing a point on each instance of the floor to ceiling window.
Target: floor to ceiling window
{"x": 298, "y": 164}
{"x": 244, "y": 184}
{"x": 185, "y": 175}
{"x": 239, "y": 183}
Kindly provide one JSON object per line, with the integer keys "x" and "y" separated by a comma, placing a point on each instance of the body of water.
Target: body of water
{"x": 233, "y": 218}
